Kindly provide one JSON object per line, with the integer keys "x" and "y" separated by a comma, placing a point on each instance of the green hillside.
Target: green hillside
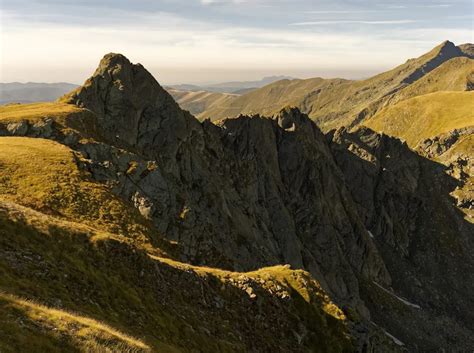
{"x": 429, "y": 115}
{"x": 197, "y": 102}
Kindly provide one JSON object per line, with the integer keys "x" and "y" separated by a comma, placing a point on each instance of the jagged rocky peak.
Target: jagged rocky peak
{"x": 130, "y": 104}
{"x": 114, "y": 60}
{"x": 289, "y": 118}
{"x": 446, "y": 50}
{"x": 431, "y": 60}
{"x": 447, "y": 46}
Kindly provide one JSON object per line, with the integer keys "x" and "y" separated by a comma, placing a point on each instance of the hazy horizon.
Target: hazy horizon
{"x": 238, "y": 76}
{"x": 209, "y": 41}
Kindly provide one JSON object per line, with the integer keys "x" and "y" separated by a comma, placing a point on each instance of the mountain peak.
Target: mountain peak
{"x": 447, "y": 46}
{"x": 446, "y": 49}
{"x": 289, "y": 118}
{"x": 112, "y": 60}
{"x": 447, "y": 43}
{"x": 127, "y": 100}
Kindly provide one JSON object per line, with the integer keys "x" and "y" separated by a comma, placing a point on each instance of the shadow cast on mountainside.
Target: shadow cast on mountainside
{"x": 404, "y": 200}
{"x": 164, "y": 302}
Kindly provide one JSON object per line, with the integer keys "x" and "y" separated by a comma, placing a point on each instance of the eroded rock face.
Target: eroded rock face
{"x": 241, "y": 195}
{"x": 354, "y": 209}
{"x": 133, "y": 110}
{"x": 423, "y": 238}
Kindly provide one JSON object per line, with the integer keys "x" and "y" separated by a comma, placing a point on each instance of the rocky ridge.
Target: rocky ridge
{"x": 353, "y": 209}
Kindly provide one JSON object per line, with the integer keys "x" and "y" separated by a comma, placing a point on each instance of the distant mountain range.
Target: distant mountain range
{"x": 236, "y": 87}
{"x": 335, "y": 102}
{"x": 16, "y": 92}
{"x": 33, "y": 91}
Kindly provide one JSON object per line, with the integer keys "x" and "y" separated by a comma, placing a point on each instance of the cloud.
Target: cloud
{"x": 211, "y": 2}
{"x": 419, "y": 6}
{"x": 397, "y": 7}
{"x": 324, "y": 12}
{"x": 435, "y": 6}
{"x": 364, "y": 22}
{"x": 184, "y": 40}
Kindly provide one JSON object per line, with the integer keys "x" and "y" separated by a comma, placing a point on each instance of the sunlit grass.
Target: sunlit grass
{"x": 35, "y": 111}
{"x": 44, "y": 328}
{"x": 43, "y": 175}
{"x": 419, "y": 118}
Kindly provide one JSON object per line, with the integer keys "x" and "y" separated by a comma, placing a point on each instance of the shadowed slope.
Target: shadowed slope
{"x": 61, "y": 255}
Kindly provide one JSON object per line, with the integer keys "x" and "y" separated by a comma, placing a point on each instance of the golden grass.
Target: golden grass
{"x": 332, "y": 103}
{"x": 453, "y": 75}
{"x": 282, "y": 275}
{"x": 36, "y": 111}
{"x": 68, "y": 117}
{"x": 270, "y": 99}
{"x": 43, "y": 175}
{"x": 43, "y": 328}
{"x": 419, "y": 118}
{"x": 106, "y": 286}
{"x": 198, "y": 101}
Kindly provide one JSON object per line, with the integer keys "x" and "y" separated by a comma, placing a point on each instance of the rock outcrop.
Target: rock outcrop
{"x": 247, "y": 193}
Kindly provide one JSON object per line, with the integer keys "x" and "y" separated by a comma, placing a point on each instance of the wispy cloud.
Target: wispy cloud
{"x": 418, "y": 6}
{"x": 212, "y": 2}
{"x": 433, "y": 6}
{"x": 396, "y": 7}
{"x": 323, "y": 12}
{"x": 190, "y": 40}
{"x": 363, "y": 22}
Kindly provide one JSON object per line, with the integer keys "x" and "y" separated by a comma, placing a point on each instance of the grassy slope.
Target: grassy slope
{"x": 419, "y": 118}
{"x": 35, "y": 111}
{"x": 67, "y": 243}
{"x": 68, "y": 116}
{"x": 45, "y": 329}
{"x": 454, "y": 75}
{"x": 43, "y": 175}
{"x": 271, "y": 98}
{"x": 332, "y": 103}
{"x": 198, "y": 102}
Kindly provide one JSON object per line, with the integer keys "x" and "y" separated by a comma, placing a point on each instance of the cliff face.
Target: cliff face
{"x": 370, "y": 219}
{"x": 424, "y": 239}
{"x": 240, "y": 195}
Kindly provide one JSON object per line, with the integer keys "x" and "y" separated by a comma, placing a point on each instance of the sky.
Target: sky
{"x": 205, "y": 41}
